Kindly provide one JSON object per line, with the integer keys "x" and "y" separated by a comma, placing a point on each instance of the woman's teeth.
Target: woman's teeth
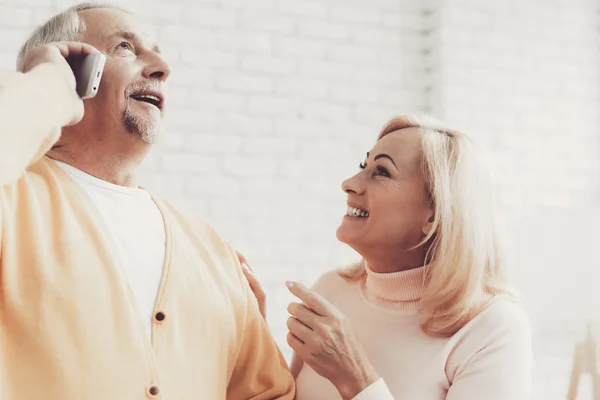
{"x": 355, "y": 212}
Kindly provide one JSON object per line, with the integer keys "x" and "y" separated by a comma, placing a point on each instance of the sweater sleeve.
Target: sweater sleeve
{"x": 32, "y": 113}
{"x": 378, "y": 390}
{"x": 260, "y": 371}
{"x": 500, "y": 366}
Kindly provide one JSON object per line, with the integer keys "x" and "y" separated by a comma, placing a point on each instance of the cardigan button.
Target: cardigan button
{"x": 160, "y": 316}
{"x": 153, "y": 391}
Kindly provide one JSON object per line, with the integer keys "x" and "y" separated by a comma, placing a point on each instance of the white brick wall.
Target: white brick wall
{"x": 274, "y": 103}
{"x": 523, "y": 76}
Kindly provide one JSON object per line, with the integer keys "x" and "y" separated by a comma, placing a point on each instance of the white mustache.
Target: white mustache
{"x": 145, "y": 86}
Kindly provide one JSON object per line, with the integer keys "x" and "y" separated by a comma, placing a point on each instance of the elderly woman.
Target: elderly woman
{"x": 427, "y": 314}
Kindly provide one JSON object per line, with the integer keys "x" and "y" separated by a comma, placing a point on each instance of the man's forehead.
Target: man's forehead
{"x": 109, "y": 23}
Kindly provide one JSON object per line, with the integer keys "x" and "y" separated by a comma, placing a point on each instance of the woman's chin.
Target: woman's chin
{"x": 340, "y": 235}
{"x": 346, "y": 237}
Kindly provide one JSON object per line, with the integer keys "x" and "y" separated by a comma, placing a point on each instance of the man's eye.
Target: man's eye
{"x": 125, "y": 45}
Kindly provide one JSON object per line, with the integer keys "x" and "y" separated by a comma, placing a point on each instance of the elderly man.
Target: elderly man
{"x": 105, "y": 291}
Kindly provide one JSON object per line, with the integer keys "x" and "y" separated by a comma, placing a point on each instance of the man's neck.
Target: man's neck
{"x": 114, "y": 171}
{"x": 105, "y": 151}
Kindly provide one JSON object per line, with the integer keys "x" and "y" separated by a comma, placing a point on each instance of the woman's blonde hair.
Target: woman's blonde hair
{"x": 465, "y": 250}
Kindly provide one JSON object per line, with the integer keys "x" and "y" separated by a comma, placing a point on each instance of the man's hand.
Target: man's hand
{"x": 254, "y": 285}
{"x": 56, "y": 54}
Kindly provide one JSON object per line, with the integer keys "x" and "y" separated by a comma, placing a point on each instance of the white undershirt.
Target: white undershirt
{"x": 137, "y": 229}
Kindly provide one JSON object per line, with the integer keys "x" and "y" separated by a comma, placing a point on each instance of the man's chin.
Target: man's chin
{"x": 143, "y": 121}
{"x": 147, "y": 130}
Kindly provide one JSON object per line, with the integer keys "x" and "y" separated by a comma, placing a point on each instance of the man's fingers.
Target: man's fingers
{"x": 312, "y": 299}
{"x": 70, "y": 49}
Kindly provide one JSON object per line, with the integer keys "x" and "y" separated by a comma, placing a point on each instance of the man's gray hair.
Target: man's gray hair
{"x": 66, "y": 26}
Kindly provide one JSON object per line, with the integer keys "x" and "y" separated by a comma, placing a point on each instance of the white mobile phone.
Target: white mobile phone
{"x": 88, "y": 73}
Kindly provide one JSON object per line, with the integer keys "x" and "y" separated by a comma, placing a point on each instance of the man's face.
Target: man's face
{"x": 132, "y": 92}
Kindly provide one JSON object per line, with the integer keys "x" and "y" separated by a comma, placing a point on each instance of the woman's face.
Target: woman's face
{"x": 388, "y": 207}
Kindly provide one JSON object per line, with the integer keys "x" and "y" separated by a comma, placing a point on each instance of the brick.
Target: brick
{"x": 376, "y": 37}
{"x": 178, "y": 96}
{"x": 326, "y": 69}
{"x": 204, "y": 16}
{"x": 217, "y": 100}
{"x": 243, "y": 124}
{"x": 409, "y": 23}
{"x": 208, "y": 58}
{"x": 376, "y": 114}
{"x": 250, "y": 166}
{"x": 157, "y": 12}
{"x": 323, "y": 29}
{"x": 265, "y": 185}
{"x": 15, "y": 17}
{"x": 303, "y": 8}
{"x": 244, "y": 82}
{"x": 60, "y": 4}
{"x": 12, "y": 39}
{"x": 324, "y": 148}
{"x": 203, "y": 142}
{"x": 269, "y": 146}
{"x": 388, "y": 76}
{"x": 390, "y": 5}
{"x": 182, "y": 162}
{"x": 199, "y": 78}
{"x": 7, "y": 63}
{"x": 299, "y": 47}
{"x": 194, "y": 37}
{"x": 151, "y": 164}
{"x": 267, "y": 22}
{"x": 355, "y": 14}
{"x": 325, "y": 111}
{"x": 164, "y": 183}
{"x": 270, "y": 105}
{"x": 397, "y": 99}
{"x": 40, "y": 14}
{"x": 310, "y": 88}
{"x": 355, "y": 54}
{"x": 36, "y": 3}
{"x": 469, "y": 17}
{"x": 209, "y": 2}
{"x": 301, "y": 128}
{"x": 267, "y": 64}
{"x": 171, "y": 55}
{"x": 210, "y": 186}
{"x": 173, "y": 140}
{"x": 247, "y": 42}
{"x": 354, "y": 93}
{"x": 252, "y": 5}
{"x": 189, "y": 119}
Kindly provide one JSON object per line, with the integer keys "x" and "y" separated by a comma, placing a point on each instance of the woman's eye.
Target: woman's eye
{"x": 362, "y": 166}
{"x": 381, "y": 171}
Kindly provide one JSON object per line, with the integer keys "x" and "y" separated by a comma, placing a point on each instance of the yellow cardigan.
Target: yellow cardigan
{"x": 68, "y": 325}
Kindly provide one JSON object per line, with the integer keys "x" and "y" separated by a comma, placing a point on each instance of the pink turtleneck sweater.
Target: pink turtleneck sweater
{"x": 489, "y": 358}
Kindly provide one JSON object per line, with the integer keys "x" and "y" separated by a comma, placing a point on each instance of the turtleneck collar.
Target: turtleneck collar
{"x": 397, "y": 290}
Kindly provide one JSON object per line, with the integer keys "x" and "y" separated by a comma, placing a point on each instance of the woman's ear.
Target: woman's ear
{"x": 428, "y": 225}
